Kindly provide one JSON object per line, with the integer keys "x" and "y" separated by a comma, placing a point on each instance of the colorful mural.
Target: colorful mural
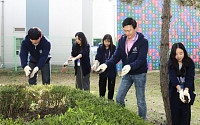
{"x": 184, "y": 27}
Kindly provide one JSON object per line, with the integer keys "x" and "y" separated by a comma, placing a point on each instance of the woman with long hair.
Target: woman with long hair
{"x": 181, "y": 70}
{"x": 104, "y": 53}
{"x": 80, "y": 56}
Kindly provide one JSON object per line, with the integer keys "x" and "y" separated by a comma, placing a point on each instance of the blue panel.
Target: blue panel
{"x": 157, "y": 50}
{"x": 37, "y": 15}
{"x": 118, "y": 2}
{"x": 119, "y": 67}
{"x": 185, "y": 27}
{"x": 118, "y": 10}
{"x": 157, "y": 26}
{"x": 185, "y": 40}
{"x": 125, "y": 10}
{"x": 139, "y": 7}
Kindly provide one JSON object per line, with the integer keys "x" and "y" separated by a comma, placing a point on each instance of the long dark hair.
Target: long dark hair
{"x": 111, "y": 46}
{"x": 173, "y": 62}
{"x": 83, "y": 39}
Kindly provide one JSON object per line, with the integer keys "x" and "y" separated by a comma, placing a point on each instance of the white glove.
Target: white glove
{"x": 66, "y": 63}
{"x": 72, "y": 60}
{"x": 27, "y": 70}
{"x": 101, "y": 68}
{"x": 35, "y": 70}
{"x": 186, "y": 95}
{"x": 125, "y": 70}
{"x": 94, "y": 67}
{"x": 181, "y": 96}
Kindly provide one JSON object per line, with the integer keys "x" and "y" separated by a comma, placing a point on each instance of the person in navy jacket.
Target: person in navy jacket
{"x": 181, "y": 70}
{"x": 38, "y": 47}
{"x": 80, "y": 56}
{"x": 132, "y": 50}
{"x": 104, "y": 52}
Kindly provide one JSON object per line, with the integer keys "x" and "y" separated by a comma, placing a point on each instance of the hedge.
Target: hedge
{"x": 59, "y": 105}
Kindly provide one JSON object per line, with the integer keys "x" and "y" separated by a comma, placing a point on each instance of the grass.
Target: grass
{"x": 155, "y": 107}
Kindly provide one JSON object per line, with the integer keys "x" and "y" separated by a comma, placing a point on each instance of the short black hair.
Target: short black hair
{"x": 34, "y": 33}
{"x": 129, "y": 21}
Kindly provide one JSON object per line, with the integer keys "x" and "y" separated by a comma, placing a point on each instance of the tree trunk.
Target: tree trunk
{"x": 164, "y": 48}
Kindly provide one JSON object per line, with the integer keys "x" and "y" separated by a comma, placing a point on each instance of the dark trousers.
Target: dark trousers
{"x": 45, "y": 71}
{"x": 102, "y": 87}
{"x": 181, "y": 112}
{"x": 82, "y": 82}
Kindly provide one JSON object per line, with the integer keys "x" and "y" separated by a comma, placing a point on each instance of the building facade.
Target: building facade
{"x": 59, "y": 20}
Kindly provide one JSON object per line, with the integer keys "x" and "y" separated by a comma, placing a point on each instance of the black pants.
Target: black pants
{"x": 45, "y": 71}
{"x": 181, "y": 112}
{"x": 102, "y": 86}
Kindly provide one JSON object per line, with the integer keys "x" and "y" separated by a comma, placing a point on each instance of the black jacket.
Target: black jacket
{"x": 110, "y": 71}
{"x": 84, "y": 61}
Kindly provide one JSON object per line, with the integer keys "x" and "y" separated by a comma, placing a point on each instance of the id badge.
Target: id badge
{"x": 181, "y": 86}
{"x": 78, "y": 62}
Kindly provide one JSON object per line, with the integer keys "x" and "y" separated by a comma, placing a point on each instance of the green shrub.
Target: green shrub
{"x": 12, "y": 100}
{"x": 57, "y": 105}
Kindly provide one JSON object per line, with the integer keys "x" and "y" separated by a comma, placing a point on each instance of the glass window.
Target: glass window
{"x": 73, "y": 40}
{"x": 97, "y": 42}
{"x": 18, "y": 45}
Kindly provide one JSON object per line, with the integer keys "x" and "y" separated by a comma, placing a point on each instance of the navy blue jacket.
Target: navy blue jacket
{"x": 189, "y": 82}
{"x": 39, "y": 54}
{"x": 84, "y": 61}
{"x": 137, "y": 56}
{"x": 110, "y": 71}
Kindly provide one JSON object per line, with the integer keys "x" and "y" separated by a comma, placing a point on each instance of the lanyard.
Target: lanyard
{"x": 108, "y": 55}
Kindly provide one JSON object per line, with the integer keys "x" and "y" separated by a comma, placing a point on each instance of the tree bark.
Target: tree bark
{"x": 164, "y": 48}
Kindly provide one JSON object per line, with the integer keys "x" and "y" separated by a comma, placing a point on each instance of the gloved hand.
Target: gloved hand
{"x": 35, "y": 70}
{"x": 66, "y": 63}
{"x": 72, "y": 60}
{"x": 125, "y": 70}
{"x": 186, "y": 95}
{"x": 27, "y": 70}
{"x": 94, "y": 67}
{"x": 181, "y": 96}
{"x": 101, "y": 68}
